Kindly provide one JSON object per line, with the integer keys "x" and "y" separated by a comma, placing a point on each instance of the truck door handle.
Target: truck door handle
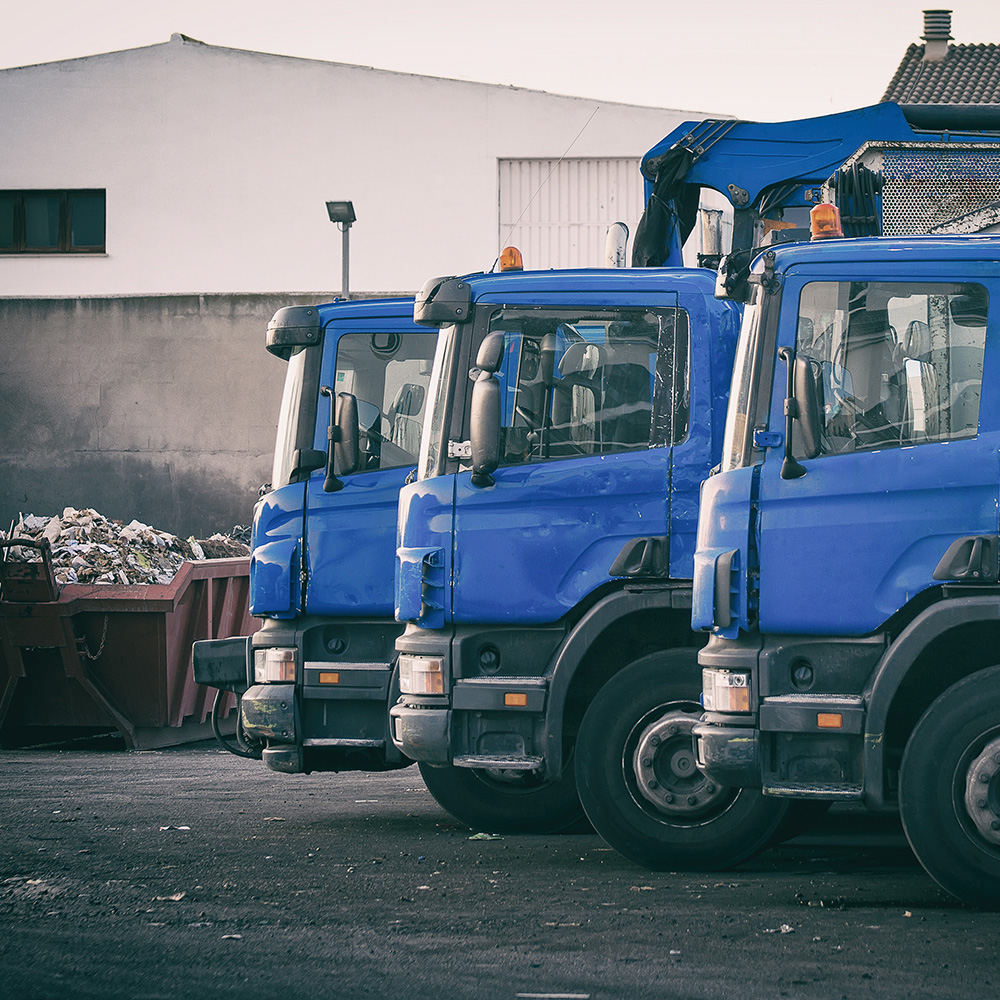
{"x": 642, "y": 557}
{"x": 970, "y": 559}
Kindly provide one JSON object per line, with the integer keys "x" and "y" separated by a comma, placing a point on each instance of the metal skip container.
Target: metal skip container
{"x": 107, "y": 656}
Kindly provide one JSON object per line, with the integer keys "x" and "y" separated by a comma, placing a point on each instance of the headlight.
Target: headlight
{"x": 273, "y": 666}
{"x": 725, "y": 691}
{"x": 421, "y": 675}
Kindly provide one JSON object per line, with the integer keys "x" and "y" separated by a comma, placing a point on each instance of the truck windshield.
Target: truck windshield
{"x": 433, "y": 451}
{"x": 735, "y": 446}
{"x": 291, "y": 434}
{"x": 573, "y": 382}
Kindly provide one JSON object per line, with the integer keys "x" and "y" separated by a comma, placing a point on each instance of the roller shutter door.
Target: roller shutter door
{"x": 557, "y": 212}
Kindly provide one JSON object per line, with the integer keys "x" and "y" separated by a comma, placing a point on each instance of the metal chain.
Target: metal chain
{"x": 85, "y": 649}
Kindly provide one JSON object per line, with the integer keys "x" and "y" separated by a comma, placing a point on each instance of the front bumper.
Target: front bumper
{"x": 801, "y": 747}
{"x": 422, "y": 733}
{"x": 333, "y": 717}
{"x": 729, "y": 754}
{"x": 776, "y": 717}
{"x": 489, "y": 722}
{"x": 485, "y": 716}
{"x": 269, "y": 712}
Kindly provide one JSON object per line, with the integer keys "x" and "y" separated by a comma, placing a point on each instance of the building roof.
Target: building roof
{"x": 968, "y": 74}
{"x": 191, "y": 45}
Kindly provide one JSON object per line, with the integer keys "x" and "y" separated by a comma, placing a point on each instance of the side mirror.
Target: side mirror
{"x": 342, "y": 434}
{"x": 291, "y": 327}
{"x": 969, "y": 308}
{"x": 348, "y": 452}
{"x": 731, "y": 277}
{"x": 922, "y": 415}
{"x": 490, "y": 352}
{"x": 441, "y": 301}
{"x": 549, "y": 347}
{"x": 800, "y": 404}
{"x": 807, "y": 397}
{"x": 484, "y": 428}
{"x": 409, "y": 400}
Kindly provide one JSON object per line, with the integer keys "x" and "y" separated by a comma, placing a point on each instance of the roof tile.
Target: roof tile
{"x": 968, "y": 74}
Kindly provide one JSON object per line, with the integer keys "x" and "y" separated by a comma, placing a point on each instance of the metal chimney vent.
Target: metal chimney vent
{"x": 937, "y": 25}
{"x": 937, "y": 34}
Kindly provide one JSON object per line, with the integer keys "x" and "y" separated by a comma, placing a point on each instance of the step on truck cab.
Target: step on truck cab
{"x": 546, "y": 552}
{"x": 847, "y": 562}
{"x": 317, "y": 679}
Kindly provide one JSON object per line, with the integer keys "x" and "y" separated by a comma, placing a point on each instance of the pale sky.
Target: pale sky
{"x": 768, "y": 60}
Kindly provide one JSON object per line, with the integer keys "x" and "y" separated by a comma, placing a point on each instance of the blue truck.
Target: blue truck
{"x": 319, "y": 677}
{"x": 546, "y": 548}
{"x": 316, "y": 680}
{"x": 546, "y": 655}
{"x": 847, "y": 562}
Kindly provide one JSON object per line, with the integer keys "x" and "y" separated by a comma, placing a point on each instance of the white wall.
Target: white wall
{"x": 217, "y": 163}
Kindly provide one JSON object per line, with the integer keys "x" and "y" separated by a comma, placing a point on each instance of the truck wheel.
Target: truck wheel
{"x": 640, "y": 786}
{"x": 949, "y": 789}
{"x": 499, "y": 801}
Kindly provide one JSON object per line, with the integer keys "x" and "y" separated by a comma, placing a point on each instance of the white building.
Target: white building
{"x": 215, "y": 165}
{"x": 157, "y": 205}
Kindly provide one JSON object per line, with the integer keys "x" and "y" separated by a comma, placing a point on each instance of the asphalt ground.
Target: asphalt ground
{"x": 190, "y": 872}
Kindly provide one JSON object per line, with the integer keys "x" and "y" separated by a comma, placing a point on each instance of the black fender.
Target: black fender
{"x": 894, "y": 666}
{"x": 577, "y": 643}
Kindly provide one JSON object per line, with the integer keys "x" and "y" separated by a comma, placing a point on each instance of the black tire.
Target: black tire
{"x": 507, "y": 801}
{"x": 949, "y": 789}
{"x": 638, "y": 783}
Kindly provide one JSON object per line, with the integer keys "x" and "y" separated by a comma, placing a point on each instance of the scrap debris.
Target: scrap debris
{"x": 90, "y": 548}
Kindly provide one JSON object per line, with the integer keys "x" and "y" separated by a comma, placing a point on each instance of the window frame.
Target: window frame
{"x": 356, "y": 341}
{"x": 663, "y": 391}
{"x": 858, "y": 433}
{"x": 64, "y": 244}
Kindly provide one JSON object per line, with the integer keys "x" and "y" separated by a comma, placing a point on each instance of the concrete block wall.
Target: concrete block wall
{"x": 161, "y": 408}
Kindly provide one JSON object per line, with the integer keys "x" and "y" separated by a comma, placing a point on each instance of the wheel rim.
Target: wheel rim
{"x": 982, "y": 792}
{"x": 662, "y": 773}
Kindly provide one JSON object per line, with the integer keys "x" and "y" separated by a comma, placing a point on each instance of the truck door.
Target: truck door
{"x": 351, "y": 534}
{"x": 585, "y": 464}
{"x": 907, "y": 456}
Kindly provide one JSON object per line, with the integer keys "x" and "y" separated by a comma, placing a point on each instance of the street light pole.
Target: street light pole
{"x": 342, "y": 213}
{"x": 345, "y": 259}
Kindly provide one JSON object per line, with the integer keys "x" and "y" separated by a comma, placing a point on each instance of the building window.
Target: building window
{"x": 52, "y": 221}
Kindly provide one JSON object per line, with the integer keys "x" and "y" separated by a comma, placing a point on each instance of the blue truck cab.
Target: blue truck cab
{"x": 546, "y": 552}
{"x": 317, "y": 678}
{"x": 847, "y": 561}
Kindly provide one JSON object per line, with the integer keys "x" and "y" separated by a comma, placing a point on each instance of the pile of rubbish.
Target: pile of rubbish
{"x": 90, "y": 548}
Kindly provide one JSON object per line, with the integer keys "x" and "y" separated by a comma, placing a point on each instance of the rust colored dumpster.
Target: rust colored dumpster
{"x": 104, "y": 656}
